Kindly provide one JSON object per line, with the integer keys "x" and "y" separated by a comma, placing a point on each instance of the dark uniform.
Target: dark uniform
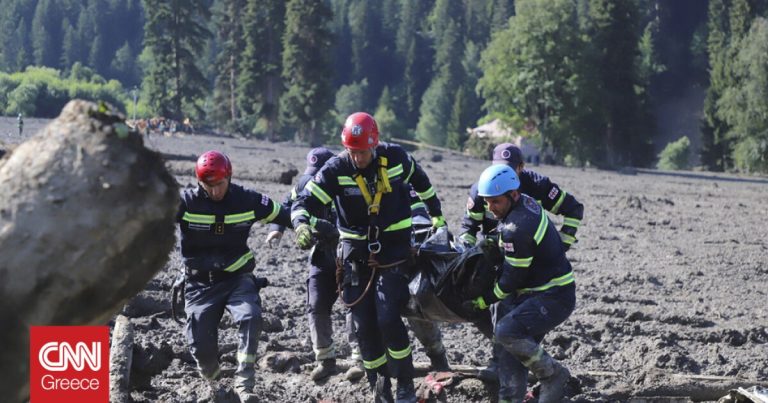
{"x": 554, "y": 200}
{"x": 537, "y": 284}
{"x": 219, "y": 267}
{"x": 321, "y": 284}
{"x": 385, "y": 236}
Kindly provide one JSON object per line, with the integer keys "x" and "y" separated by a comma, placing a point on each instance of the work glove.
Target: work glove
{"x": 474, "y": 305}
{"x": 304, "y": 237}
{"x": 273, "y": 238}
{"x": 325, "y": 232}
{"x": 568, "y": 236}
{"x": 438, "y": 222}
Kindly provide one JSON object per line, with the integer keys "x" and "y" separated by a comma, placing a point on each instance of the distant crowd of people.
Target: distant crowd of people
{"x": 161, "y": 125}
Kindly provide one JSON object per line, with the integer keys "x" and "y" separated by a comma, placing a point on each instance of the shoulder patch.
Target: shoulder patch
{"x": 414, "y": 194}
{"x": 470, "y": 203}
{"x": 553, "y": 193}
{"x": 265, "y": 200}
{"x": 531, "y": 205}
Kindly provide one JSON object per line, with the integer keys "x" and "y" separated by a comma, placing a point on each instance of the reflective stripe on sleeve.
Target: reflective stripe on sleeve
{"x": 274, "y": 213}
{"x": 542, "y": 229}
{"x": 571, "y": 222}
{"x": 521, "y": 263}
{"x": 237, "y": 218}
{"x": 427, "y": 193}
{"x": 499, "y": 293}
{"x": 318, "y": 192}
{"x": 555, "y": 282}
{"x": 559, "y": 202}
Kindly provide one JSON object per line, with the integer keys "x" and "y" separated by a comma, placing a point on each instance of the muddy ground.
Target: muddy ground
{"x": 671, "y": 269}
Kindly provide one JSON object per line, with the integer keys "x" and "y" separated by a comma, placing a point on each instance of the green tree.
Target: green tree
{"x": 175, "y": 33}
{"x": 46, "y": 35}
{"x": 743, "y": 106}
{"x": 261, "y": 65}
{"x": 306, "y": 68}
{"x": 231, "y": 45}
{"x": 348, "y": 100}
{"x": 530, "y": 69}
{"x": 413, "y": 46}
{"x": 386, "y": 119}
{"x": 675, "y": 155}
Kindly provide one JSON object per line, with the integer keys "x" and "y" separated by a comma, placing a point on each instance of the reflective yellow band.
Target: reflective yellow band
{"x": 351, "y": 235}
{"x": 426, "y": 194}
{"x": 274, "y": 213}
{"x": 294, "y": 195}
{"x": 299, "y": 213}
{"x": 519, "y": 262}
{"x": 413, "y": 168}
{"x": 402, "y": 224}
{"x": 236, "y": 218}
{"x": 539, "y": 235}
{"x": 567, "y": 238}
{"x": 475, "y": 216}
{"x": 468, "y": 238}
{"x": 346, "y": 181}
{"x": 243, "y": 357}
{"x": 199, "y": 218}
{"x": 559, "y": 202}
{"x": 539, "y": 353}
{"x": 571, "y": 222}
{"x": 240, "y": 262}
{"x": 395, "y": 170}
{"x": 318, "y": 192}
{"x": 555, "y": 282}
{"x": 375, "y": 363}
{"x": 497, "y": 291}
{"x": 399, "y": 355}
{"x": 418, "y": 205}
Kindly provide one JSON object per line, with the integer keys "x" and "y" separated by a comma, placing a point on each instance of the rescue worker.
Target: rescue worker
{"x": 477, "y": 218}
{"x": 536, "y": 281}
{"x": 368, "y": 184}
{"x": 321, "y": 284}
{"x": 20, "y": 123}
{"x": 215, "y": 220}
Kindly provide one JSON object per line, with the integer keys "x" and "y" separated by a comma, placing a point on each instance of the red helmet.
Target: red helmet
{"x": 360, "y": 132}
{"x": 213, "y": 166}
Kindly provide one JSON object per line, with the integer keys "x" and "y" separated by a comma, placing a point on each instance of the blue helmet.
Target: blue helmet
{"x": 497, "y": 180}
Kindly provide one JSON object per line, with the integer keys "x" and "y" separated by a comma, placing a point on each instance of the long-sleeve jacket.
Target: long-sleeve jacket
{"x": 336, "y": 182}
{"x": 534, "y": 257}
{"x": 549, "y": 194}
{"x": 322, "y": 257}
{"x": 214, "y": 235}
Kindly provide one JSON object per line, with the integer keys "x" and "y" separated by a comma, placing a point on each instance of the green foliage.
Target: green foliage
{"x": 388, "y": 122}
{"x": 743, "y": 106}
{"x": 348, "y": 100}
{"x": 43, "y": 92}
{"x": 675, "y": 155}
{"x": 306, "y": 68}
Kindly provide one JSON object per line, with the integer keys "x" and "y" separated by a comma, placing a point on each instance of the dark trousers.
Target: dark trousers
{"x": 321, "y": 295}
{"x": 205, "y": 305}
{"x": 381, "y": 333}
{"x": 528, "y": 317}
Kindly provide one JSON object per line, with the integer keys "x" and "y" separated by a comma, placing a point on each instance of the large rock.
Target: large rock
{"x": 86, "y": 219}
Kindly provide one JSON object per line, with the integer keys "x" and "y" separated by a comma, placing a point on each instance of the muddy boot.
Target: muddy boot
{"x": 439, "y": 362}
{"x": 382, "y": 391}
{"x": 552, "y": 385}
{"x": 405, "y": 391}
{"x": 324, "y": 369}
{"x": 244, "y": 390}
{"x": 355, "y": 372}
{"x": 489, "y": 373}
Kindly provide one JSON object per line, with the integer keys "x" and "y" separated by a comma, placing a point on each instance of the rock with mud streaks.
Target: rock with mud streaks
{"x": 86, "y": 219}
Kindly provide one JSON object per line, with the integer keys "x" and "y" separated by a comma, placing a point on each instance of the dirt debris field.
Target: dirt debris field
{"x": 671, "y": 271}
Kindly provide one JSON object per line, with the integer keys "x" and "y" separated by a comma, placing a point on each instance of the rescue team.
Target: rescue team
{"x": 355, "y": 212}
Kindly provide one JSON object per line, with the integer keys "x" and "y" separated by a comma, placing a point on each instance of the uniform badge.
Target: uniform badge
{"x": 531, "y": 205}
{"x": 413, "y": 193}
{"x": 553, "y": 193}
{"x": 470, "y": 203}
{"x": 265, "y": 200}
{"x": 509, "y": 247}
{"x": 357, "y": 130}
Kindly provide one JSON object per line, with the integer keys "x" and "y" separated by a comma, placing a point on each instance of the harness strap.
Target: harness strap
{"x": 382, "y": 186}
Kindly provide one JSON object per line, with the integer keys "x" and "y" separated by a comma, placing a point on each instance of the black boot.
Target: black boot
{"x": 439, "y": 362}
{"x": 382, "y": 391}
{"x": 406, "y": 393}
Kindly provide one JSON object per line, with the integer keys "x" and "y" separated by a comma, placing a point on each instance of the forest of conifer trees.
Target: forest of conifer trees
{"x": 585, "y": 79}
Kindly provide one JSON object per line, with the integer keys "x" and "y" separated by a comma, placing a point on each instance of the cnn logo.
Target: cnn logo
{"x": 66, "y": 364}
{"x": 76, "y": 357}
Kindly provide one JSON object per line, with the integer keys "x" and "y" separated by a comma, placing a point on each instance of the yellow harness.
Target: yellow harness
{"x": 382, "y": 186}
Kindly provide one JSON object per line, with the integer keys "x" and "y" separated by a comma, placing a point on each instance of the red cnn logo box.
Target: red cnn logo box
{"x": 69, "y": 364}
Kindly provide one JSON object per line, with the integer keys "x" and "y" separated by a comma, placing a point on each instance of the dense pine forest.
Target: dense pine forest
{"x": 603, "y": 83}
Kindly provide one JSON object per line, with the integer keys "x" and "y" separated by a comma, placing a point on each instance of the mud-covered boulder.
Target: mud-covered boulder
{"x": 86, "y": 219}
